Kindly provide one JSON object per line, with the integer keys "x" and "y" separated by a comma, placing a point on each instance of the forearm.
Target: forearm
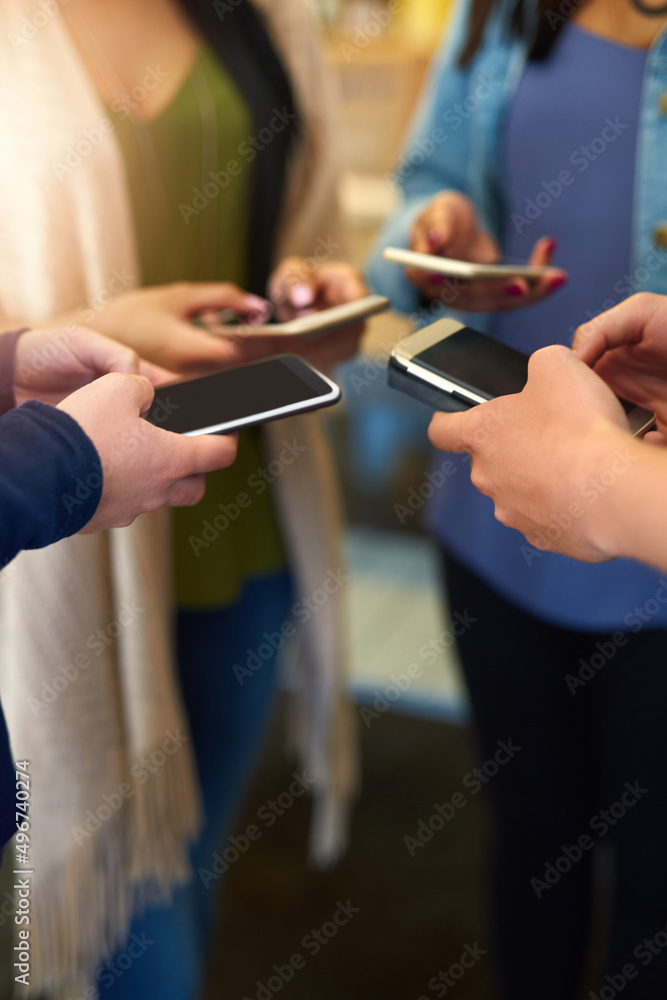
{"x": 630, "y": 517}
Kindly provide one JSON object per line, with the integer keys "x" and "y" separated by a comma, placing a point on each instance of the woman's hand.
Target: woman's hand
{"x": 448, "y": 227}
{"x": 297, "y": 289}
{"x": 157, "y": 323}
{"x": 627, "y": 347}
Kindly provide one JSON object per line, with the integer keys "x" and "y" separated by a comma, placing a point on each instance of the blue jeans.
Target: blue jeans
{"x": 165, "y": 955}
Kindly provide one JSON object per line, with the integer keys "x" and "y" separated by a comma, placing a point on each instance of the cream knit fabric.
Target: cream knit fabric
{"x": 88, "y": 679}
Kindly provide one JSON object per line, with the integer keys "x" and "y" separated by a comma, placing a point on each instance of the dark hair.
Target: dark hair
{"x": 539, "y": 33}
{"x": 237, "y": 33}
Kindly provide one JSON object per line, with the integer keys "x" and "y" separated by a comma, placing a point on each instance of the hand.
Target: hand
{"x": 156, "y": 322}
{"x": 50, "y": 364}
{"x": 297, "y": 289}
{"x": 548, "y": 455}
{"x": 143, "y": 466}
{"x": 448, "y": 227}
{"x": 627, "y": 347}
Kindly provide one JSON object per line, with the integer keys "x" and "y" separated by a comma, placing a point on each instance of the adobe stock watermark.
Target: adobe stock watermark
{"x": 141, "y": 772}
{"x": 603, "y": 821}
{"x": 258, "y": 482}
{"x": 302, "y": 611}
{"x": 453, "y": 117}
{"x": 75, "y": 153}
{"x": 399, "y": 684}
{"x": 375, "y": 26}
{"x": 581, "y": 158}
{"x": 606, "y": 651}
{"x": 440, "y": 984}
{"x": 418, "y": 496}
{"x": 645, "y": 952}
{"x": 31, "y": 26}
{"x": 247, "y": 152}
{"x": 114, "y": 969}
{"x": 95, "y": 645}
{"x": 129, "y": 100}
{"x": 267, "y": 816}
{"x": 312, "y": 943}
{"x": 629, "y": 284}
{"x": 473, "y": 781}
{"x": 590, "y": 492}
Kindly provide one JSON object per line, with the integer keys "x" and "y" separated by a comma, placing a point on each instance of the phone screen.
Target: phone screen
{"x": 477, "y": 362}
{"x": 248, "y": 393}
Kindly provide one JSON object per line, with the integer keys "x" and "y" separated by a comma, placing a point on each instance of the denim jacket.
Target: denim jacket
{"x": 455, "y": 143}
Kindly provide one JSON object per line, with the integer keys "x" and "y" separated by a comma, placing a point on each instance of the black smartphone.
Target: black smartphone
{"x": 453, "y": 367}
{"x": 243, "y": 396}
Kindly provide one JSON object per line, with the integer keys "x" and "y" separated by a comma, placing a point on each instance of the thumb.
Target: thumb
{"x": 447, "y": 431}
{"x": 208, "y": 452}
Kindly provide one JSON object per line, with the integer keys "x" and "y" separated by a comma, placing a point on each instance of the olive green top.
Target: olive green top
{"x": 191, "y": 220}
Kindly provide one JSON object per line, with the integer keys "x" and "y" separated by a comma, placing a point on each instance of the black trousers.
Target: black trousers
{"x": 592, "y": 770}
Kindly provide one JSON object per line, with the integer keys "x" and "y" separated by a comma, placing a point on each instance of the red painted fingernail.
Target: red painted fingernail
{"x": 556, "y": 283}
{"x": 515, "y": 289}
{"x": 551, "y": 244}
{"x": 437, "y": 279}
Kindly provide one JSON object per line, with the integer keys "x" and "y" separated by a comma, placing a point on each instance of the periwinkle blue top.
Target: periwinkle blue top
{"x": 572, "y": 147}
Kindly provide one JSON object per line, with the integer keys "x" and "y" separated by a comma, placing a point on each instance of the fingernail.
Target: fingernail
{"x": 435, "y": 238}
{"x": 301, "y": 296}
{"x": 515, "y": 289}
{"x": 551, "y": 244}
{"x": 255, "y": 302}
{"x": 557, "y": 282}
{"x": 437, "y": 279}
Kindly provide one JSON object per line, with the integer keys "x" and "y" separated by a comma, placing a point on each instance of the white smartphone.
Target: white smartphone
{"x": 315, "y": 322}
{"x": 459, "y": 367}
{"x": 462, "y": 268}
{"x": 243, "y": 396}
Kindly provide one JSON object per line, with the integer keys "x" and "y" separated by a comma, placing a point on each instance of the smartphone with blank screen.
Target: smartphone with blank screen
{"x": 243, "y": 396}
{"x": 453, "y": 367}
{"x": 315, "y": 322}
{"x": 464, "y": 269}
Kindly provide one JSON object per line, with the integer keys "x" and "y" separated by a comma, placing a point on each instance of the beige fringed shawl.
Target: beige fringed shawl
{"x": 87, "y": 672}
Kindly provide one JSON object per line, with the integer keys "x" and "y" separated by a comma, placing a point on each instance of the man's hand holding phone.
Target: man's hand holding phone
{"x": 539, "y": 453}
{"x": 448, "y": 227}
{"x": 143, "y": 466}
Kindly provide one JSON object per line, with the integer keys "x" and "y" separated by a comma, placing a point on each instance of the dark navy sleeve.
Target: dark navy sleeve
{"x": 50, "y": 478}
{"x": 50, "y": 486}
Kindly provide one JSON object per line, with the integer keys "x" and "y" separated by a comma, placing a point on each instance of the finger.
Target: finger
{"x": 208, "y": 452}
{"x": 187, "y": 348}
{"x": 102, "y": 354}
{"x": 543, "y": 251}
{"x": 337, "y": 284}
{"x": 141, "y": 392}
{"x": 656, "y": 438}
{"x": 155, "y": 374}
{"x": 192, "y": 298}
{"x": 446, "y": 431}
{"x": 433, "y": 229}
{"x": 623, "y": 324}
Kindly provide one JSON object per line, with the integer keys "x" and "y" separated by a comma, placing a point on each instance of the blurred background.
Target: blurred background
{"x": 419, "y": 908}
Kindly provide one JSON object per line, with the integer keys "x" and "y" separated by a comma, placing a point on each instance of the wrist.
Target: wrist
{"x": 612, "y": 460}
